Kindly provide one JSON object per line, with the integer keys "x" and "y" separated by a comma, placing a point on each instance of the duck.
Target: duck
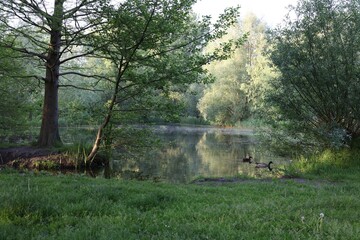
{"x": 248, "y": 159}
{"x": 264, "y": 165}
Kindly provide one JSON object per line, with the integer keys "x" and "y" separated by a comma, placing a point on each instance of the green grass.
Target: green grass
{"x": 333, "y": 165}
{"x": 43, "y": 206}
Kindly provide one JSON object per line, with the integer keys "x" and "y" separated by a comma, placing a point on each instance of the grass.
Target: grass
{"x": 44, "y": 206}
{"x": 333, "y": 165}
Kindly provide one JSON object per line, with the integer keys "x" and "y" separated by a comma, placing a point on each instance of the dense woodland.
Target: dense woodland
{"x": 68, "y": 63}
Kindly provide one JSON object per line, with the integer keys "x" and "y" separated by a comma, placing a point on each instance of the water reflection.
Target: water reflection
{"x": 185, "y": 156}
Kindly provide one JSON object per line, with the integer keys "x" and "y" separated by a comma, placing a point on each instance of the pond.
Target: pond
{"x": 188, "y": 153}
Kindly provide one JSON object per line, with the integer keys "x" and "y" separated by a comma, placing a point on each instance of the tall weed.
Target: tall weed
{"x": 330, "y": 164}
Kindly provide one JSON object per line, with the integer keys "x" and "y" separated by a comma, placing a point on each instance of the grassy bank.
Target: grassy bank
{"x": 43, "y": 206}
{"x": 340, "y": 165}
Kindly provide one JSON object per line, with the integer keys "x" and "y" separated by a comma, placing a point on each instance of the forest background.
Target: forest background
{"x": 157, "y": 62}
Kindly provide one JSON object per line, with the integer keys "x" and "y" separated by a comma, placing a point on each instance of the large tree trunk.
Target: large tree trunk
{"x": 49, "y": 132}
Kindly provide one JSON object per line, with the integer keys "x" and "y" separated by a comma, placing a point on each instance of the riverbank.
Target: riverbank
{"x": 40, "y": 205}
{"x": 34, "y": 158}
{"x": 209, "y": 148}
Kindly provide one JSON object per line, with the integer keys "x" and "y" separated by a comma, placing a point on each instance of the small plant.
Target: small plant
{"x": 75, "y": 154}
{"x": 314, "y": 224}
{"x": 320, "y": 222}
{"x": 46, "y": 165}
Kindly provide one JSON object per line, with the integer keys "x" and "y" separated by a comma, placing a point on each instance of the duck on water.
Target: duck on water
{"x": 264, "y": 165}
{"x": 247, "y": 159}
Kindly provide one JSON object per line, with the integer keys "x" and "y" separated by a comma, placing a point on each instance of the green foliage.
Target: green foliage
{"x": 193, "y": 121}
{"x": 260, "y": 69}
{"x": 224, "y": 102}
{"x": 157, "y": 58}
{"x": 18, "y": 106}
{"x": 151, "y": 49}
{"x": 241, "y": 81}
{"x": 84, "y": 99}
{"x": 316, "y": 52}
{"x": 37, "y": 206}
{"x": 190, "y": 99}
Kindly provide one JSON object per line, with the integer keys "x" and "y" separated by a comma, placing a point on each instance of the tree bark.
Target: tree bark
{"x": 49, "y": 132}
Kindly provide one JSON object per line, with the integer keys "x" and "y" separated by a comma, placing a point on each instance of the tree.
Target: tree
{"x": 224, "y": 100}
{"x": 317, "y": 53}
{"x": 238, "y": 80}
{"x": 68, "y": 25}
{"x": 17, "y": 103}
{"x": 190, "y": 99}
{"x": 10, "y": 116}
{"x": 259, "y": 67}
{"x": 155, "y": 46}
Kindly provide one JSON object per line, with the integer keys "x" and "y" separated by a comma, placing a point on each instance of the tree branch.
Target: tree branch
{"x": 80, "y": 88}
{"x": 86, "y": 75}
{"x": 25, "y": 51}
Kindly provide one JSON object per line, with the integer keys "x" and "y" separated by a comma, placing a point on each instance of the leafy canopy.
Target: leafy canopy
{"x": 317, "y": 53}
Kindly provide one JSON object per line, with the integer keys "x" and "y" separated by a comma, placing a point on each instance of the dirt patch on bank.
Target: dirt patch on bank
{"x": 32, "y": 157}
{"x": 220, "y": 181}
{"x": 24, "y": 152}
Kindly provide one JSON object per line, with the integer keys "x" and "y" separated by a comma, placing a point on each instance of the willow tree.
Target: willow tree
{"x": 235, "y": 91}
{"x": 155, "y": 45}
{"x": 317, "y": 53}
{"x": 53, "y": 34}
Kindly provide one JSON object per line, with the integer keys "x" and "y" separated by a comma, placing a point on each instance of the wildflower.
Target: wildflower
{"x": 320, "y": 222}
{"x": 302, "y": 219}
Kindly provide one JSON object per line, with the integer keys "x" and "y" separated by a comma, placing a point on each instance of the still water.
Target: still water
{"x": 188, "y": 153}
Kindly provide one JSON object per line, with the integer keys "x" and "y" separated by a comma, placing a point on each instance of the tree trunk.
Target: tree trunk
{"x": 107, "y": 118}
{"x": 49, "y": 132}
{"x": 98, "y": 139}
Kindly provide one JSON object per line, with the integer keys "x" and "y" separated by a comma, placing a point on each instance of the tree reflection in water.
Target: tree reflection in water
{"x": 186, "y": 156}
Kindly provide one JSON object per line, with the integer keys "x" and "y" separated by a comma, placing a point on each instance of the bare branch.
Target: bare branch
{"x": 80, "y": 88}
{"x": 26, "y": 51}
{"x": 29, "y": 76}
{"x": 34, "y": 6}
{"x": 86, "y": 75}
{"x": 70, "y": 13}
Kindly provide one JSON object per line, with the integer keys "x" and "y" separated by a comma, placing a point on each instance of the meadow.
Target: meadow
{"x": 39, "y": 205}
